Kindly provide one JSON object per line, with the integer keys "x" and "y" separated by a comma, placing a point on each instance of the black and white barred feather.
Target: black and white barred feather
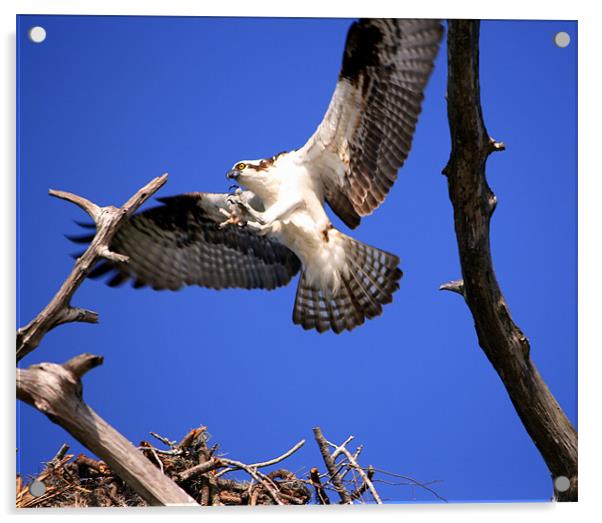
{"x": 180, "y": 243}
{"x": 369, "y": 283}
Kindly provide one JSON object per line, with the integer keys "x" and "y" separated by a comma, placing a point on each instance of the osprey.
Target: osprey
{"x": 262, "y": 236}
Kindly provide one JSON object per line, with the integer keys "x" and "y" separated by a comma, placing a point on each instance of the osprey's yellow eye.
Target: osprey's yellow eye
{"x": 240, "y": 166}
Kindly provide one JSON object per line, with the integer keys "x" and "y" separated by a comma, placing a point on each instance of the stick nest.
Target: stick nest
{"x": 86, "y": 482}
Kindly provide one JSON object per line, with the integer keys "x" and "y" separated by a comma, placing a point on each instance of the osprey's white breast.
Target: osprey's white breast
{"x": 307, "y": 229}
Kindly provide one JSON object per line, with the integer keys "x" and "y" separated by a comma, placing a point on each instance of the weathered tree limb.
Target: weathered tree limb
{"x": 59, "y": 310}
{"x": 356, "y": 455}
{"x": 473, "y": 202}
{"x": 339, "y": 449}
{"x": 56, "y": 390}
{"x": 338, "y": 470}
{"x": 330, "y": 466}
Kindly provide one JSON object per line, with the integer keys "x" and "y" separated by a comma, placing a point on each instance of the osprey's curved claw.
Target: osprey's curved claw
{"x": 256, "y": 227}
{"x": 231, "y": 219}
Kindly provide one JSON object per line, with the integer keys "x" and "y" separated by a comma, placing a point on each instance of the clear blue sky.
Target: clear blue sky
{"x": 107, "y": 103}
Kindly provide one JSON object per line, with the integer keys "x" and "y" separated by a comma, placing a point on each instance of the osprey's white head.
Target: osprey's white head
{"x": 258, "y": 175}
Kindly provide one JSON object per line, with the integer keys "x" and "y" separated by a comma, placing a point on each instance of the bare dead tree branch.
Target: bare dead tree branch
{"x": 339, "y": 449}
{"x": 356, "y": 455}
{"x": 163, "y": 439}
{"x": 268, "y": 463}
{"x": 59, "y": 310}
{"x": 362, "y": 478}
{"x": 257, "y": 476}
{"x": 331, "y": 466}
{"x": 504, "y": 344}
{"x": 56, "y": 391}
{"x": 357, "y": 493}
{"x": 365, "y": 477}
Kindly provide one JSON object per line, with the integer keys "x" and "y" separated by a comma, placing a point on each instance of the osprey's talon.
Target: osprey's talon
{"x": 232, "y": 220}
{"x": 248, "y": 210}
{"x": 257, "y": 227}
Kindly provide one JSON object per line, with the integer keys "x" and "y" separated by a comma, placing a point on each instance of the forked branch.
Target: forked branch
{"x": 59, "y": 310}
{"x": 331, "y": 466}
{"x": 362, "y": 481}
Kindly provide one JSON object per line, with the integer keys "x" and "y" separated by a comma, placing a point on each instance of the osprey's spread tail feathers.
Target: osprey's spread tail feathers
{"x": 369, "y": 283}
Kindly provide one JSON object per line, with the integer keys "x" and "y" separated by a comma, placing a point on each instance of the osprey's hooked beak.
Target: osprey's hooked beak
{"x": 233, "y": 174}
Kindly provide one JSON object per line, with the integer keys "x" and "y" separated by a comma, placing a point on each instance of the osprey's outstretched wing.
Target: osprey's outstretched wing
{"x": 367, "y": 131}
{"x": 180, "y": 243}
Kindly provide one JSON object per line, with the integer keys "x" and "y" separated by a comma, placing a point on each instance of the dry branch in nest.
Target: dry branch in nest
{"x": 346, "y": 478}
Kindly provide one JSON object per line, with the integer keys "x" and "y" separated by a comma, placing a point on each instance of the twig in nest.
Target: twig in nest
{"x": 262, "y": 464}
{"x": 321, "y": 495}
{"x": 357, "y": 493}
{"x": 361, "y": 472}
{"x": 257, "y": 476}
{"x": 59, "y": 455}
{"x": 356, "y": 455}
{"x": 97, "y": 466}
{"x": 203, "y": 468}
{"x": 162, "y": 439}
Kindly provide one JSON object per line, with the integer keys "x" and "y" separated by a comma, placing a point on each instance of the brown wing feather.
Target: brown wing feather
{"x": 367, "y": 131}
{"x": 180, "y": 243}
